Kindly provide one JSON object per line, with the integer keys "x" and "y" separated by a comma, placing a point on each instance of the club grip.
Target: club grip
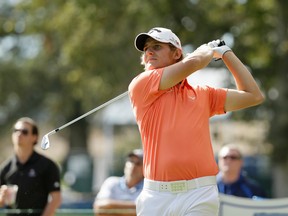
{"x": 222, "y": 43}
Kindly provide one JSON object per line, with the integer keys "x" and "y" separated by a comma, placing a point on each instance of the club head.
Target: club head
{"x": 45, "y": 144}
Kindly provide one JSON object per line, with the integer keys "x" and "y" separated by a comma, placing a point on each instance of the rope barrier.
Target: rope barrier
{"x": 71, "y": 212}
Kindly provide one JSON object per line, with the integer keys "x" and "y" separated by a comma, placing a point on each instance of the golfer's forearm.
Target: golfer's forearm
{"x": 243, "y": 78}
{"x": 177, "y": 72}
{"x": 199, "y": 59}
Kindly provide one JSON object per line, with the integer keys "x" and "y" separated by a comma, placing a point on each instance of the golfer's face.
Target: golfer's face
{"x": 157, "y": 54}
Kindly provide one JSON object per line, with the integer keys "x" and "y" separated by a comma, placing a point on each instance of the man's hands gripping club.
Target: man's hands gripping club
{"x": 219, "y": 47}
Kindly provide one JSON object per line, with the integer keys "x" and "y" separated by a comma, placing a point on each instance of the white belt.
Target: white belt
{"x": 179, "y": 186}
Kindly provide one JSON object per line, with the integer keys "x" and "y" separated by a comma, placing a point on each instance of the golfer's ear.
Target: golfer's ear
{"x": 178, "y": 53}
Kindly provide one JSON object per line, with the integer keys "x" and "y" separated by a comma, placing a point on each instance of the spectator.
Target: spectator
{"x": 231, "y": 180}
{"x": 121, "y": 192}
{"x": 36, "y": 177}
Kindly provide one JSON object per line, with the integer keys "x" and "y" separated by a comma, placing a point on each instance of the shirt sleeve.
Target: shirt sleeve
{"x": 144, "y": 90}
{"x": 217, "y": 100}
{"x": 52, "y": 177}
{"x": 106, "y": 190}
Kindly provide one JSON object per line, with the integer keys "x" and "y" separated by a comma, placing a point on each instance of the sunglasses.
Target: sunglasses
{"x": 231, "y": 157}
{"x": 22, "y": 131}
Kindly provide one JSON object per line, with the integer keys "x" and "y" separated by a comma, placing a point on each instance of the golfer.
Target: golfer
{"x": 173, "y": 119}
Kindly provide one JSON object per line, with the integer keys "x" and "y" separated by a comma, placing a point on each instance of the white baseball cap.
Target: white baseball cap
{"x": 163, "y": 35}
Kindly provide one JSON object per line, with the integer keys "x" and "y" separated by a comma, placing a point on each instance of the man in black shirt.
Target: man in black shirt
{"x": 37, "y": 177}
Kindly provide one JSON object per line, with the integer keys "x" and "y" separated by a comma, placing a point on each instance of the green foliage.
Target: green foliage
{"x": 82, "y": 54}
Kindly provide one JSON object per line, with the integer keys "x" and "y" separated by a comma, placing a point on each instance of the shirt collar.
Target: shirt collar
{"x": 34, "y": 156}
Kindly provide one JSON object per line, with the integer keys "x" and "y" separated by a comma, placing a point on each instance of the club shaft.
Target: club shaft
{"x": 92, "y": 111}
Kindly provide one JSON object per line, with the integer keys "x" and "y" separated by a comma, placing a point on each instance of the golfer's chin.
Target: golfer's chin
{"x": 150, "y": 66}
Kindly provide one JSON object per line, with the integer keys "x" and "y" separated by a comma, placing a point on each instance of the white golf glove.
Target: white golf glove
{"x": 219, "y": 51}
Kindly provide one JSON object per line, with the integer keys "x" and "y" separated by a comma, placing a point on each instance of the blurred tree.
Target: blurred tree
{"x": 59, "y": 59}
{"x": 278, "y": 91}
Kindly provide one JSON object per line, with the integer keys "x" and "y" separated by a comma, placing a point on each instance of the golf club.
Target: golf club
{"x": 45, "y": 144}
{"x": 222, "y": 43}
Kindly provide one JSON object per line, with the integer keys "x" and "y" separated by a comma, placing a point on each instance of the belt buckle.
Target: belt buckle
{"x": 179, "y": 186}
{"x": 164, "y": 187}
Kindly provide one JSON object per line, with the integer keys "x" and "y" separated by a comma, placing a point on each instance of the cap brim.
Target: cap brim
{"x": 140, "y": 41}
{"x": 135, "y": 155}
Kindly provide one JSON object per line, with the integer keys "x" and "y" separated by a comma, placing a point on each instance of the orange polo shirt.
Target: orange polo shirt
{"x": 174, "y": 127}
